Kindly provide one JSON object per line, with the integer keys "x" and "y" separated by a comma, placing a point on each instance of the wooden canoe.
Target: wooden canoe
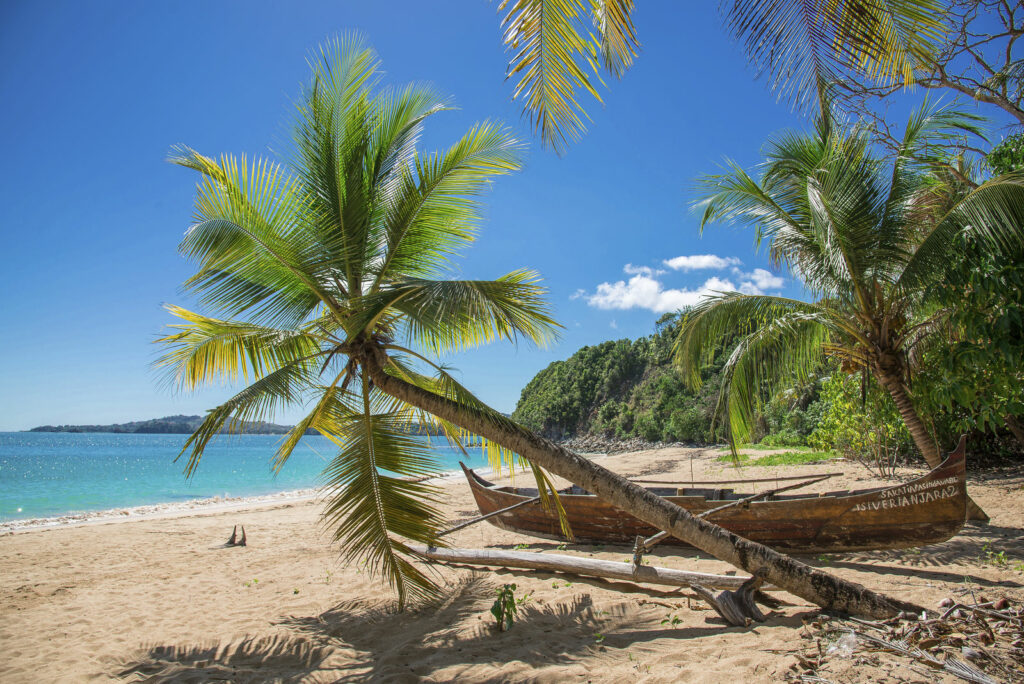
{"x": 927, "y": 510}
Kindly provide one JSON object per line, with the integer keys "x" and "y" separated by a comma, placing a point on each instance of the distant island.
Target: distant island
{"x": 168, "y": 425}
{"x": 185, "y": 425}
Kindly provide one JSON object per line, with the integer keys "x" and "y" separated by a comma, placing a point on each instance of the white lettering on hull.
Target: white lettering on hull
{"x": 922, "y": 494}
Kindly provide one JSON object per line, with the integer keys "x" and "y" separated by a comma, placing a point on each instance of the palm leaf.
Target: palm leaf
{"x": 553, "y": 52}
{"x": 805, "y": 45}
{"x": 209, "y": 349}
{"x": 370, "y": 505}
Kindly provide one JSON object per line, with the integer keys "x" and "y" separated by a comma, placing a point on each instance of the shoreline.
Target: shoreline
{"x": 174, "y": 509}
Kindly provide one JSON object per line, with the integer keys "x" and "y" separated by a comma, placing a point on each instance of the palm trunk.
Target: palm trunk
{"x": 795, "y": 577}
{"x": 922, "y": 438}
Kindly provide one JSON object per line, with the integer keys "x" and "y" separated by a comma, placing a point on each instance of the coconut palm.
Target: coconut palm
{"x": 328, "y": 281}
{"x": 352, "y": 246}
{"x": 868, "y": 237}
{"x": 559, "y": 46}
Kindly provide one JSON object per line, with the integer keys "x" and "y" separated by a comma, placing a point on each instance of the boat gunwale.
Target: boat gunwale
{"x": 953, "y": 460}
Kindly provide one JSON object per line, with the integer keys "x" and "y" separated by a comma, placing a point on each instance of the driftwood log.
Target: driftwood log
{"x": 591, "y": 567}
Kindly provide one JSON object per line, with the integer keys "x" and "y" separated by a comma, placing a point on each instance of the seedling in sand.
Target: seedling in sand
{"x": 672, "y": 621}
{"x": 504, "y": 608}
{"x": 598, "y": 637}
{"x": 521, "y": 547}
{"x": 996, "y": 558}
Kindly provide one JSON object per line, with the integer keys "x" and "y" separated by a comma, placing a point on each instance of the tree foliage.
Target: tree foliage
{"x": 870, "y": 238}
{"x": 621, "y": 389}
{"x": 339, "y": 262}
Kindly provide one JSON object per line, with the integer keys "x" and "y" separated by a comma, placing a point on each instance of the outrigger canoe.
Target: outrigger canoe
{"x": 928, "y": 510}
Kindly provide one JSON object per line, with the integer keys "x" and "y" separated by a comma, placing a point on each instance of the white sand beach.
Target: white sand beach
{"x": 161, "y": 599}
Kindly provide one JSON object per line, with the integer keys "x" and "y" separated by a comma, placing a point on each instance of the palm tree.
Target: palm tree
{"x": 329, "y": 287}
{"x": 559, "y": 47}
{"x": 868, "y": 237}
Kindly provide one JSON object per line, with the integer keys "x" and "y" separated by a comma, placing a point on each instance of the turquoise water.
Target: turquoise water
{"x": 53, "y": 474}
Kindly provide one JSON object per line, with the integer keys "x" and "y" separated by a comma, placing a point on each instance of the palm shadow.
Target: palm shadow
{"x": 394, "y": 646}
{"x": 981, "y": 544}
{"x": 279, "y": 658}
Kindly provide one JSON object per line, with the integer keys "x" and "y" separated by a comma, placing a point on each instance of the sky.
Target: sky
{"x": 95, "y": 95}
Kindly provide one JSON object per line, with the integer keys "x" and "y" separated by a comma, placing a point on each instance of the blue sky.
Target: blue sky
{"x": 96, "y": 93}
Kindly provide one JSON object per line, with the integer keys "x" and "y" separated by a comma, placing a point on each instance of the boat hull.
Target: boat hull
{"x": 928, "y": 510}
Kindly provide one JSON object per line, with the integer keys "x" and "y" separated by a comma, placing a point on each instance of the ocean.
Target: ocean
{"x": 44, "y": 474}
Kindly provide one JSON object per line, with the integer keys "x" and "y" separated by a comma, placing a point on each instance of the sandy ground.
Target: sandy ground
{"x": 162, "y": 599}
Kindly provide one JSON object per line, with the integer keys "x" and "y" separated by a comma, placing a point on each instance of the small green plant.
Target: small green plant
{"x": 327, "y": 576}
{"x": 524, "y": 599}
{"x": 556, "y": 584}
{"x": 521, "y": 547}
{"x": 824, "y": 559}
{"x": 251, "y": 582}
{"x": 562, "y": 547}
{"x": 997, "y": 558}
{"x": 598, "y": 637}
{"x": 504, "y": 608}
{"x": 295, "y": 590}
{"x": 672, "y": 621}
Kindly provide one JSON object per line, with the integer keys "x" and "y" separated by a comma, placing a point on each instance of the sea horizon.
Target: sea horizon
{"x": 53, "y": 475}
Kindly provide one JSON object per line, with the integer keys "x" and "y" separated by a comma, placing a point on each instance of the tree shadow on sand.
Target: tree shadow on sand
{"x": 279, "y": 658}
{"x": 975, "y": 545}
{"x": 397, "y": 646}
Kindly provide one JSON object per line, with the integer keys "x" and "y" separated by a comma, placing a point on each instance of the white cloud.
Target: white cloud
{"x": 642, "y": 270}
{"x": 578, "y": 293}
{"x": 694, "y": 262}
{"x": 758, "y": 281}
{"x": 642, "y": 292}
{"x": 614, "y": 325}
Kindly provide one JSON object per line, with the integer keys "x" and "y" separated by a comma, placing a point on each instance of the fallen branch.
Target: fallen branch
{"x": 582, "y": 566}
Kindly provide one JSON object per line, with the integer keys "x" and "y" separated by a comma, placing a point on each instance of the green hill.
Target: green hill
{"x": 621, "y": 389}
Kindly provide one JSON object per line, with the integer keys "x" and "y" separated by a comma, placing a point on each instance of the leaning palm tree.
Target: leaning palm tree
{"x": 329, "y": 286}
{"x": 560, "y": 47}
{"x": 868, "y": 237}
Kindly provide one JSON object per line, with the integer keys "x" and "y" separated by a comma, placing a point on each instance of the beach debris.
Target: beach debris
{"x": 738, "y": 608}
{"x": 975, "y": 642}
{"x": 590, "y": 567}
{"x": 234, "y": 540}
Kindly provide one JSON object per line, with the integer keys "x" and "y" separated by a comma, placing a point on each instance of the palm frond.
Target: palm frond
{"x": 804, "y": 45}
{"x": 433, "y": 207}
{"x": 329, "y": 405}
{"x": 255, "y": 403}
{"x": 553, "y": 53}
{"x": 209, "y": 349}
{"x": 732, "y": 315}
{"x": 993, "y": 213}
{"x": 787, "y": 347}
{"x": 453, "y": 315}
{"x": 374, "y": 502}
{"x": 251, "y": 257}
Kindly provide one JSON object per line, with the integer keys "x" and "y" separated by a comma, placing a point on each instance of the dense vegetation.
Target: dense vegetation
{"x": 630, "y": 388}
{"x": 621, "y": 389}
